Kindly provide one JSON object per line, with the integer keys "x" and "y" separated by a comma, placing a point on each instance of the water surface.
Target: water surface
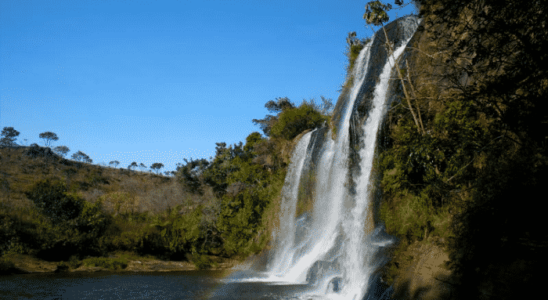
{"x": 172, "y": 285}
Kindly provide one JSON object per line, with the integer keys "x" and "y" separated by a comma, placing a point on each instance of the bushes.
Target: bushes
{"x": 6, "y": 266}
{"x": 51, "y": 200}
{"x": 293, "y": 121}
{"x": 67, "y": 224}
{"x": 107, "y": 263}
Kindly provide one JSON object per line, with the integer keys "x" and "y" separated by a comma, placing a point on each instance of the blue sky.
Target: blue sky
{"x": 160, "y": 81}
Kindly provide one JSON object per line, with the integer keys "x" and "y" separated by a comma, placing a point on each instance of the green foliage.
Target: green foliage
{"x": 274, "y": 106}
{"x": 296, "y": 120}
{"x": 74, "y": 262}
{"x": 251, "y": 140}
{"x": 157, "y": 167}
{"x": 61, "y": 150}
{"x": 190, "y": 174}
{"x": 9, "y": 136}
{"x": 376, "y": 13}
{"x": 48, "y": 137}
{"x": 107, "y": 263}
{"x": 353, "y": 53}
{"x": 51, "y": 200}
{"x": 81, "y": 156}
{"x": 202, "y": 261}
{"x": 6, "y": 265}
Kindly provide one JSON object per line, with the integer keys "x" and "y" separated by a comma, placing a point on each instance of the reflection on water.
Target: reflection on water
{"x": 173, "y": 285}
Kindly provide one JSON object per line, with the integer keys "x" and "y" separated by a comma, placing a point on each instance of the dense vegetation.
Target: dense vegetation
{"x": 470, "y": 176}
{"x": 63, "y": 210}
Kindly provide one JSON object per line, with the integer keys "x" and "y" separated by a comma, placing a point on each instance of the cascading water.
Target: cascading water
{"x": 356, "y": 265}
{"x": 332, "y": 251}
{"x": 286, "y": 237}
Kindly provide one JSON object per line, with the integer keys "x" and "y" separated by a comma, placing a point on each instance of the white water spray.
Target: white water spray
{"x": 356, "y": 264}
{"x": 334, "y": 257}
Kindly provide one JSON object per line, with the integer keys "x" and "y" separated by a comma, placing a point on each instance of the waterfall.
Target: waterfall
{"x": 283, "y": 255}
{"x": 333, "y": 248}
{"x": 356, "y": 265}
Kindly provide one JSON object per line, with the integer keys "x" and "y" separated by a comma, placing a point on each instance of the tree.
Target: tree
{"x": 114, "y": 163}
{"x": 9, "y": 136}
{"x": 142, "y": 166}
{"x": 61, "y": 150}
{"x": 351, "y": 38}
{"x": 325, "y": 107}
{"x": 81, "y": 156}
{"x": 48, "y": 137}
{"x": 275, "y": 106}
{"x": 133, "y": 165}
{"x": 157, "y": 167}
{"x": 51, "y": 200}
{"x": 296, "y": 120}
{"x": 190, "y": 172}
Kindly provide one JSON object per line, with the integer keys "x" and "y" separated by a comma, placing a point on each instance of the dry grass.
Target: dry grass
{"x": 120, "y": 190}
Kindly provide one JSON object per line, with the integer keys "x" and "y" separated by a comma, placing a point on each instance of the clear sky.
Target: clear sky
{"x": 159, "y": 81}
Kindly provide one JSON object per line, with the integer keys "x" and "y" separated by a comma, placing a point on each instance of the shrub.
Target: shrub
{"x": 6, "y": 266}
{"x": 51, "y": 200}
{"x": 201, "y": 261}
{"x": 107, "y": 263}
{"x": 293, "y": 121}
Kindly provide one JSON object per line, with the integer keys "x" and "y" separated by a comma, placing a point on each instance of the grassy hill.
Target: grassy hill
{"x": 57, "y": 209}
{"x": 129, "y": 204}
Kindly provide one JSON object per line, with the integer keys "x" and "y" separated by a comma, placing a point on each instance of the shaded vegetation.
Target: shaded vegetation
{"x": 105, "y": 262}
{"x": 471, "y": 179}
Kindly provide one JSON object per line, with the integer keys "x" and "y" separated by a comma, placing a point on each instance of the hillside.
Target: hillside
{"x": 56, "y": 209}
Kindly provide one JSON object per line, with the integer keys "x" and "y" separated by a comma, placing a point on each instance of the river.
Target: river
{"x": 172, "y": 285}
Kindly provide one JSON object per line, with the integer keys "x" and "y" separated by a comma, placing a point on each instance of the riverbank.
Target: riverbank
{"x": 119, "y": 262}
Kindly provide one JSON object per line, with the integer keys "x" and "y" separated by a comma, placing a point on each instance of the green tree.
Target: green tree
{"x": 157, "y": 167}
{"x": 61, "y": 150}
{"x": 9, "y": 136}
{"x": 48, "y": 137}
{"x": 114, "y": 163}
{"x": 132, "y": 166}
{"x": 142, "y": 166}
{"x": 274, "y": 106}
{"x": 293, "y": 121}
{"x": 81, "y": 156}
{"x": 191, "y": 174}
{"x": 50, "y": 199}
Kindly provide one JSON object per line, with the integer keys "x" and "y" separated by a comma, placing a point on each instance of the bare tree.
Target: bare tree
{"x": 48, "y": 137}
{"x": 61, "y": 150}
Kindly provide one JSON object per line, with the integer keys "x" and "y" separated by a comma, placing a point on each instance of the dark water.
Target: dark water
{"x": 173, "y": 285}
